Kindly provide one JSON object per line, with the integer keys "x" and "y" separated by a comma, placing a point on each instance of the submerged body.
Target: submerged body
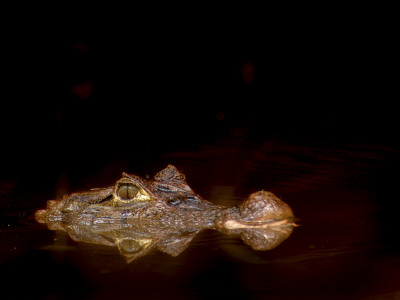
{"x": 136, "y": 213}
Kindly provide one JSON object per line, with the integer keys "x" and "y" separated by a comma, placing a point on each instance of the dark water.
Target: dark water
{"x": 345, "y": 246}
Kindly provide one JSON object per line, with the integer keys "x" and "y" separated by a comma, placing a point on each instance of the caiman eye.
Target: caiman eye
{"x": 127, "y": 191}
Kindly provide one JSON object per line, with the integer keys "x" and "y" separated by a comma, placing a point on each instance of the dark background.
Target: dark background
{"x": 82, "y": 88}
{"x": 88, "y": 95}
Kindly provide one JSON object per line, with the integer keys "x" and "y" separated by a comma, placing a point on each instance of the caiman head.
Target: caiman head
{"x": 166, "y": 200}
{"x": 137, "y": 215}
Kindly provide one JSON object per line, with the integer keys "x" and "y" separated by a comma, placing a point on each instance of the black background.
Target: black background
{"x": 165, "y": 83}
{"x": 88, "y": 95}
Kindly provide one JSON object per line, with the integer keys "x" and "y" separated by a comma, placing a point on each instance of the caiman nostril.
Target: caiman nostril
{"x": 51, "y": 204}
{"x": 67, "y": 208}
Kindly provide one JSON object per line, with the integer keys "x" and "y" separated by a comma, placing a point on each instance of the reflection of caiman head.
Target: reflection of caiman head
{"x": 138, "y": 215}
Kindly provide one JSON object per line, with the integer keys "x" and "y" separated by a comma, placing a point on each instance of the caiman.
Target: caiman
{"x": 137, "y": 214}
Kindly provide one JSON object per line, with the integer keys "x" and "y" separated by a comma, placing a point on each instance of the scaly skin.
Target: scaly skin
{"x": 137, "y": 214}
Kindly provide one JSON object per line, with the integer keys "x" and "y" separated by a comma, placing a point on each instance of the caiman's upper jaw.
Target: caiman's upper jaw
{"x": 69, "y": 205}
{"x": 51, "y": 213}
{"x": 127, "y": 191}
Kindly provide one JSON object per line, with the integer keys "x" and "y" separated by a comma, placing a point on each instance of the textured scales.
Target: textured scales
{"x": 137, "y": 215}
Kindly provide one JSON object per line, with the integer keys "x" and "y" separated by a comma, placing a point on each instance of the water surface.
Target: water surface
{"x": 344, "y": 248}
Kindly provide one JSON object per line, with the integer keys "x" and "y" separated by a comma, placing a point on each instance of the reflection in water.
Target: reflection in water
{"x": 341, "y": 252}
{"x": 136, "y": 242}
{"x": 138, "y": 215}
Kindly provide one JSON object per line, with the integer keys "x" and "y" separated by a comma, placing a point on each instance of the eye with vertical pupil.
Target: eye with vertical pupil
{"x": 127, "y": 191}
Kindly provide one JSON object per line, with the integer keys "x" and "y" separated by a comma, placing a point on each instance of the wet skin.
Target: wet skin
{"x": 136, "y": 215}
